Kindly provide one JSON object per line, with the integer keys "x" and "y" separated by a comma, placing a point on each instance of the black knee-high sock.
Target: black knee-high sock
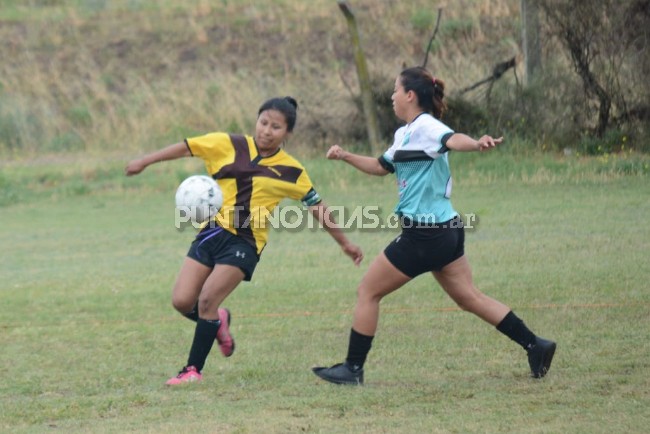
{"x": 358, "y": 349}
{"x": 194, "y": 313}
{"x": 513, "y": 327}
{"x": 204, "y": 335}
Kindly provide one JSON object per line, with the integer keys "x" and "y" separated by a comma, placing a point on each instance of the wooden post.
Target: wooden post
{"x": 530, "y": 38}
{"x": 368, "y": 104}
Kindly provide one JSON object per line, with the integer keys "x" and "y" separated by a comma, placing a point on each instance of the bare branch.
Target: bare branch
{"x": 498, "y": 70}
{"x": 435, "y": 32}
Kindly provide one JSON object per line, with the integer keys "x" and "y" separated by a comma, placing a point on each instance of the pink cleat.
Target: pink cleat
{"x": 189, "y": 374}
{"x": 224, "y": 338}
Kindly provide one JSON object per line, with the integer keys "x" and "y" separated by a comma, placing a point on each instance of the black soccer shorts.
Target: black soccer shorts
{"x": 215, "y": 245}
{"x": 423, "y": 248}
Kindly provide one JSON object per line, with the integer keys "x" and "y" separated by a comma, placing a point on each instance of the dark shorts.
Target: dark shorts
{"x": 420, "y": 249}
{"x": 215, "y": 245}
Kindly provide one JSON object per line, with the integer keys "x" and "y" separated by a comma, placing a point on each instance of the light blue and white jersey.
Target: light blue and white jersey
{"x": 418, "y": 157}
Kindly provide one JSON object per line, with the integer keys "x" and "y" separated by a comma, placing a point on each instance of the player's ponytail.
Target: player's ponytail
{"x": 429, "y": 89}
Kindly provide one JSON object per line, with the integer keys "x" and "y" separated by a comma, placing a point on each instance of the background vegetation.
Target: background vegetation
{"x": 98, "y": 76}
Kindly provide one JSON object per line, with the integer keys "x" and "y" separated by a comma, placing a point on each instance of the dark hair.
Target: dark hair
{"x": 429, "y": 90}
{"x": 287, "y": 106}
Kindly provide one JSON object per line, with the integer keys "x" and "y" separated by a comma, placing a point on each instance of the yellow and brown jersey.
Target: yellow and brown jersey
{"x": 252, "y": 185}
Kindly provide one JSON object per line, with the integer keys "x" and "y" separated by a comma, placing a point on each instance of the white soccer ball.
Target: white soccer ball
{"x": 199, "y": 198}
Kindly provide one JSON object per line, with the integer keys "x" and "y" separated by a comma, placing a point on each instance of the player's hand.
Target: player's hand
{"x": 354, "y": 252}
{"x": 335, "y": 153}
{"x": 486, "y": 143}
{"x": 134, "y": 167}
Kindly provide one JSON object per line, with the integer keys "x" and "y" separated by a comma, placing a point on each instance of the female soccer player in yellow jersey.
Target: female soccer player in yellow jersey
{"x": 254, "y": 173}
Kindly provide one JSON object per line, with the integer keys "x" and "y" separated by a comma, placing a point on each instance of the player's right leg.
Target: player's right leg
{"x": 212, "y": 321}
{"x": 381, "y": 279}
{"x": 187, "y": 288}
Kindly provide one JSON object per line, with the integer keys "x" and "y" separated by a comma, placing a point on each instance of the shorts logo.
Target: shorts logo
{"x": 239, "y": 254}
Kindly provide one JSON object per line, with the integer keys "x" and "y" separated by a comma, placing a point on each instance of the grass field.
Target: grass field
{"x": 88, "y": 335}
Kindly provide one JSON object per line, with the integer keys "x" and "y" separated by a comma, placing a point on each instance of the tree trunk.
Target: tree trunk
{"x": 367, "y": 101}
{"x": 579, "y": 49}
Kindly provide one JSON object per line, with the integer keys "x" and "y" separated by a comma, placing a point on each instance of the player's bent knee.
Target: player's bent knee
{"x": 183, "y": 304}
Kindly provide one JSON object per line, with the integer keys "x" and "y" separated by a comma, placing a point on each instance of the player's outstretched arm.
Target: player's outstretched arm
{"x": 324, "y": 217}
{"x": 464, "y": 143}
{"x": 365, "y": 164}
{"x": 171, "y": 152}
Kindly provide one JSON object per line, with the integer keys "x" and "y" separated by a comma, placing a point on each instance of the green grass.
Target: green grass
{"x": 88, "y": 335}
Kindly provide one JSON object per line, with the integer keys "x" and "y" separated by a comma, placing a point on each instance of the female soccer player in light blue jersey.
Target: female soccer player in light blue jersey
{"x": 432, "y": 238}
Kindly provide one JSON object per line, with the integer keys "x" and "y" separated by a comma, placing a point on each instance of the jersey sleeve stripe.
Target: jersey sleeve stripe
{"x": 188, "y": 147}
{"x": 386, "y": 165}
{"x": 443, "y": 141}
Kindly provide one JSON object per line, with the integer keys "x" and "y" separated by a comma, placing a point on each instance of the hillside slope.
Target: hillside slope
{"x": 138, "y": 73}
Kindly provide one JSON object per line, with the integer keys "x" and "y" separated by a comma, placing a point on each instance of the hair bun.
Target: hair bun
{"x": 292, "y": 101}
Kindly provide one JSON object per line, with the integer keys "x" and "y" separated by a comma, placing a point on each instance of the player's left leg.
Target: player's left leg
{"x": 456, "y": 279}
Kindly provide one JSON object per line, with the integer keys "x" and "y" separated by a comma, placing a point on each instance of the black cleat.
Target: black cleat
{"x": 540, "y": 357}
{"x": 340, "y": 374}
